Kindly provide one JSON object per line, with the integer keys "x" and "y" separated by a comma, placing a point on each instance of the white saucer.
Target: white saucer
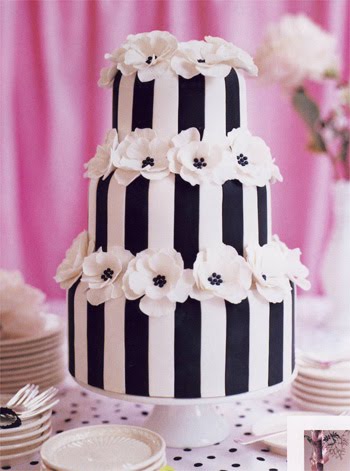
{"x": 26, "y": 435}
{"x": 309, "y": 406}
{"x": 274, "y": 423}
{"x": 337, "y": 373}
{"x": 321, "y": 391}
{"x": 37, "y": 358}
{"x": 103, "y": 447}
{"x": 37, "y": 347}
{"x": 32, "y": 369}
{"x": 27, "y": 425}
{"x": 331, "y": 401}
{"x": 19, "y": 447}
{"x": 341, "y": 386}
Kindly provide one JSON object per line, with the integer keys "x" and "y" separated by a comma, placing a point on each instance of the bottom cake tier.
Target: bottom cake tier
{"x": 207, "y": 349}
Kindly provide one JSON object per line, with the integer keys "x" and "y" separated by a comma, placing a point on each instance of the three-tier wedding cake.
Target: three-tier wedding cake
{"x": 178, "y": 288}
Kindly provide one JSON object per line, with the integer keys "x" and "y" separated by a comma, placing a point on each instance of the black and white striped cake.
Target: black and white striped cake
{"x": 209, "y": 348}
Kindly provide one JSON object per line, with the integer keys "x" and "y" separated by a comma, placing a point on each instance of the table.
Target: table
{"x": 79, "y": 407}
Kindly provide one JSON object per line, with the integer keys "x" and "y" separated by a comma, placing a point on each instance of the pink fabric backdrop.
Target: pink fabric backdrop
{"x": 54, "y": 115}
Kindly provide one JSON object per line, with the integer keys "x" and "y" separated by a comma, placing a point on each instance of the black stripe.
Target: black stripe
{"x": 232, "y": 214}
{"x": 262, "y": 214}
{"x": 191, "y": 103}
{"x": 142, "y": 107}
{"x": 136, "y": 349}
{"x": 116, "y": 84}
{"x": 293, "y": 294}
{"x": 102, "y": 213}
{"x": 188, "y": 349}
{"x": 71, "y": 327}
{"x": 186, "y": 220}
{"x": 237, "y": 347}
{"x": 136, "y": 215}
{"x": 233, "y": 119}
{"x": 96, "y": 343}
{"x": 276, "y": 344}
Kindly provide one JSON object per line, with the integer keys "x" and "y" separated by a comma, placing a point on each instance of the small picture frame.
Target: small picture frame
{"x": 335, "y": 439}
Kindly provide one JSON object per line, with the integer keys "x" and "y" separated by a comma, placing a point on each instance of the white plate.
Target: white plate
{"x": 17, "y": 447}
{"x": 47, "y": 344}
{"x": 335, "y": 393}
{"x": 39, "y": 358}
{"x": 15, "y": 458}
{"x": 103, "y": 447}
{"x": 341, "y": 386}
{"x": 338, "y": 372}
{"x": 52, "y": 325}
{"x": 26, "y": 435}
{"x": 33, "y": 377}
{"x": 32, "y": 369}
{"x": 324, "y": 401}
{"x": 27, "y": 425}
{"x": 274, "y": 423}
{"x": 309, "y": 406}
{"x": 44, "y": 385}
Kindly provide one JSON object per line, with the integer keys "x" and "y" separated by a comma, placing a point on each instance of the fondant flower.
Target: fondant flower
{"x": 159, "y": 277}
{"x": 269, "y": 266}
{"x": 141, "y": 152}
{"x": 296, "y": 49}
{"x": 103, "y": 273}
{"x": 101, "y": 164}
{"x": 148, "y": 54}
{"x": 198, "y": 161}
{"x": 213, "y": 57}
{"x": 220, "y": 271}
{"x": 72, "y": 266}
{"x": 296, "y": 271}
{"x": 20, "y": 307}
{"x": 252, "y": 161}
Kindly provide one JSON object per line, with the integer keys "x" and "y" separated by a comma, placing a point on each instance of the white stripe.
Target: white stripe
{"x": 287, "y": 336}
{"x": 213, "y": 347}
{"x": 242, "y": 100}
{"x": 259, "y": 312}
{"x": 166, "y": 105}
{"x": 116, "y": 213}
{"x": 92, "y": 208}
{"x": 114, "y": 353}
{"x": 80, "y": 333}
{"x": 250, "y": 215}
{"x": 269, "y": 210}
{"x": 161, "y": 356}
{"x": 125, "y": 102}
{"x": 161, "y": 195}
{"x": 210, "y": 215}
{"x": 215, "y": 109}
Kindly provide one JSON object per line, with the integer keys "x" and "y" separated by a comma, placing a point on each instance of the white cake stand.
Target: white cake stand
{"x": 188, "y": 422}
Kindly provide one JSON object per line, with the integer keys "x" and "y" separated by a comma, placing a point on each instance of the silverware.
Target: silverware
{"x": 259, "y": 438}
{"x": 29, "y": 390}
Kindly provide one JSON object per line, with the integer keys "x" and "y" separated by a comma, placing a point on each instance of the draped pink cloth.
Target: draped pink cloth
{"x": 53, "y": 116}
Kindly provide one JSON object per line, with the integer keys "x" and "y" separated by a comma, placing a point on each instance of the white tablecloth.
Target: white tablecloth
{"x": 79, "y": 407}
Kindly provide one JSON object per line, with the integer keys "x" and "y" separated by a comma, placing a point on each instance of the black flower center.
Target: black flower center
{"x": 215, "y": 279}
{"x": 150, "y": 59}
{"x": 199, "y": 163}
{"x": 242, "y": 160}
{"x": 159, "y": 281}
{"x": 201, "y": 61}
{"x": 263, "y": 276}
{"x": 147, "y": 161}
{"x": 107, "y": 274}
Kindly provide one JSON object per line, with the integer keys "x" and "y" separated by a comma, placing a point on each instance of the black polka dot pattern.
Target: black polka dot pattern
{"x": 81, "y": 408}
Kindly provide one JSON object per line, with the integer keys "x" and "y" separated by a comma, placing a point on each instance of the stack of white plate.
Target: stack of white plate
{"x": 17, "y": 444}
{"x": 37, "y": 359}
{"x": 321, "y": 387}
{"x": 104, "y": 447}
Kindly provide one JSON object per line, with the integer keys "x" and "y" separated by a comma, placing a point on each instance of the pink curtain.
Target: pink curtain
{"x": 53, "y": 116}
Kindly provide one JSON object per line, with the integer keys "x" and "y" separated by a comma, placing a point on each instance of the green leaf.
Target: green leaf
{"x": 310, "y": 113}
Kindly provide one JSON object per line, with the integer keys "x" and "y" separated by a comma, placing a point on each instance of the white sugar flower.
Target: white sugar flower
{"x": 20, "y": 307}
{"x": 107, "y": 75}
{"x": 103, "y": 273}
{"x": 252, "y": 163}
{"x": 296, "y": 271}
{"x": 213, "y": 57}
{"x": 197, "y": 161}
{"x": 141, "y": 153}
{"x": 296, "y": 49}
{"x": 148, "y": 54}
{"x": 220, "y": 271}
{"x": 101, "y": 164}
{"x": 159, "y": 277}
{"x": 71, "y": 268}
{"x": 269, "y": 267}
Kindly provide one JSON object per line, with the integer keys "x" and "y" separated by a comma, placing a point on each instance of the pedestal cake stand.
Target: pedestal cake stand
{"x": 188, "y": 422}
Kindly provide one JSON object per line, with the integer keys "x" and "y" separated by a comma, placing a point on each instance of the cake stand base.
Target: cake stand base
{"x": 189, "y": 426}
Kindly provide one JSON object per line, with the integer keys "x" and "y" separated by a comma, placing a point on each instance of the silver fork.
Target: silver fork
{"x": 27, "y": 391}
